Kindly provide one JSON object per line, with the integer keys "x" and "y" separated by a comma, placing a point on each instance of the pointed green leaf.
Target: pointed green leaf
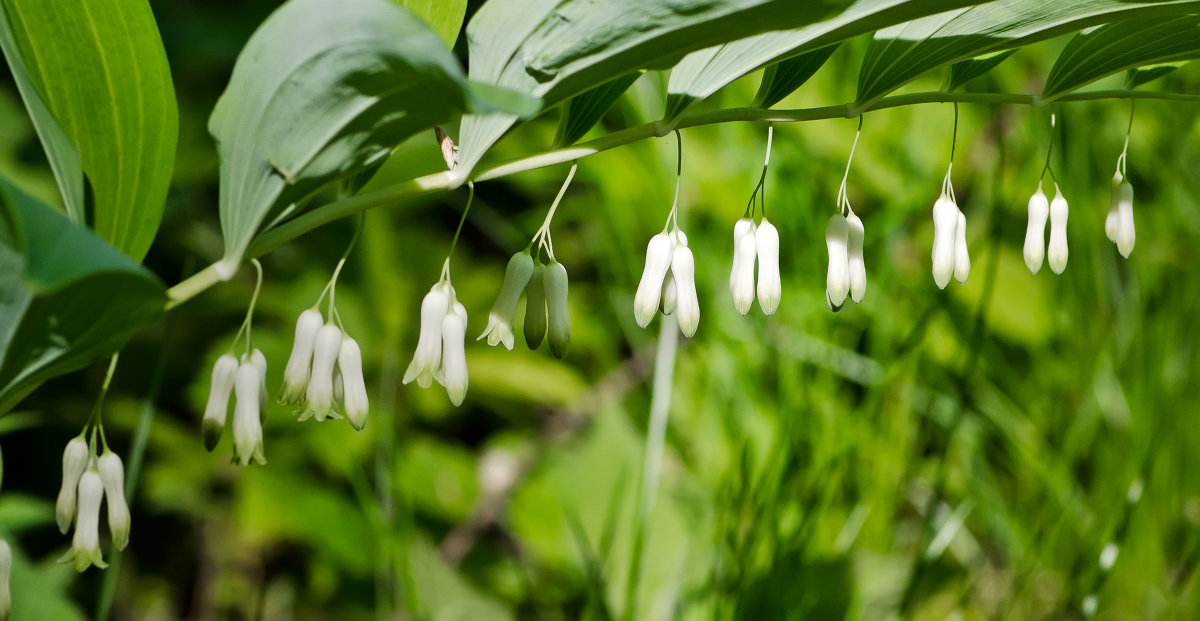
{"x": 1111, "y": 48}
{"x": 784, "y": 77}
{"x": 1142, "y": 75}
{"x": 100, "y": 68}
{"x": 60, "y": 151}
{"x": 323, "y": 91}
{"x": 900, "y": 53}
{"x": 444, "y": 16}
{"x": 66, "y": 295}
{"x": 964, "y": 71}
{"x": 584, "y": 110}
{"x": 554, "y": 49}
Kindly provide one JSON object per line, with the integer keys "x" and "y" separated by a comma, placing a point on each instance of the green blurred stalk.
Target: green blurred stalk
{"x": 660, "y": 406}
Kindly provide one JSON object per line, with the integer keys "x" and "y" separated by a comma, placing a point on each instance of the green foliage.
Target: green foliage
{"x": 784, "y": 77}
{"x": 444, "y": 16}
{"x": 68, "y": 298}
{"x": 1109, "y": 49}
{"x": 120, "y": 115}
{"x": 901, "y": 53}
{"x": 966, "y": 70}
{"x": 584, "y": 110}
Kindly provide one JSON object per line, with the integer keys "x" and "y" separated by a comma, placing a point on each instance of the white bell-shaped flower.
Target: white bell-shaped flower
{"x": 659, "y": 253}
{"x": 1125, "y": 233}
{"x": 687, "y": 310}
{"x": 247, "y": 424}
{"x": 500, "y": 320}
{"x": 354, "y": 389}
{"x": 1056, "y": 254}
{"x": 770, "y": 289}
{"x": 454, "y": 356}
{"x": 945, "y": 225}
{"x": 260, "y": 362}
{"x": 1035, "y": 231}
{"x": 319, "y": 400}
{"x": 962, "y": 258}
{"x": 74, "y": 462}
{"x": 217, "y": 409}
{"x": 1112, "y": 220}
{"x": 112, "y": 476}
{"x": 5, "y": 578}
{"x": 837, "y": 277}
{"x": 741, "y": 276}
{"x": 670, "y": 294}
{"x": 428, "y": 357}
{"x": 296, "y": 374}
{"x": 856, "y": 265}
{"x": 85, "y": 546}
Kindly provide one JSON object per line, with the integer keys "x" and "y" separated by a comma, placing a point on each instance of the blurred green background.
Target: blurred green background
{"x": 926, "y": 454}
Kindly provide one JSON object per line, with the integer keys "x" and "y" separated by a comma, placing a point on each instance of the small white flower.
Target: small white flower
{"x": 428, "y": 357}
{"x": 354, "y": 389}
{"x": 112, "y": 476}
{"x": 85, "y": 546}
{"x": 741, "y": 276}
{"x": 217, "y": 409}
{"x": 856, "y": 265}
{"x": 688, "y": 306}
{"x": 260, "y": 362}
{"x": 1056, "y": 254}
{"x": 247, "y": 425}
{"x": 837, "y": 277}
{"x": 319, "y": 400}
{"x": 962, "y": 259}
{"x": 5, "y": 578}
{"x": 1111, "y": 221}
{"x": 659, "y": 252}
{"x": 770, "y": 290}
{"x": 500, "y": 320}
{"x": 295, "y": 375}
{"x": 454, "y": 355}
{"x": 945, "y": 223}
{"x": 670, "y": 294}
{"x": 1125, "y": 233}
{"x": 74, "y": 462}
{"x": 1035, "y": 231}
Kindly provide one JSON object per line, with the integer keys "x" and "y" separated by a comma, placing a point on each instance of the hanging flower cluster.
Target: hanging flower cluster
{"x": 1118, "y": 224}
{"x": 441, "y": 352}
{"x": 950, "y": 255}
{"x": 86, "y": 481}
{"x": 844, "y": 235}
{"x": 756, "y": 242}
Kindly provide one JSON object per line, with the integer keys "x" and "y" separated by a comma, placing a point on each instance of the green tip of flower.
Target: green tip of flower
{"x": 211, "y": 430}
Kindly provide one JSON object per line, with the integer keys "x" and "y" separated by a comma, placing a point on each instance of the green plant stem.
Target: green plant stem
{"x": 446, "y": 180}
{"x": 660, "y": 406}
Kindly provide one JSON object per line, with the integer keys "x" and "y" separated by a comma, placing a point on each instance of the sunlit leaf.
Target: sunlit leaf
{"x": 586, "y": 109}
{"x": 1112, "y": 48}
{"x": 100, "y": 68}
{"x": 966, "y": 70}
{"x": 66, "y": 296}
{"x": 901, "y": 53}
{"x": 444, "y": 16}
{"x": 784, "y": 77}
{"x": 1142, "y": 75}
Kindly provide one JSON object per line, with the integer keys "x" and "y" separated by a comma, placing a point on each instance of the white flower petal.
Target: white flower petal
{"x": 742, "y": 285}
{"x": 766, "y": 244}
{"x": 962, "y": 258}
{"x": 217, "y": 409}
{"x": 1035, "y": 230}
{"x": 837, "y": 277}
{"x": 354, "y": 395}
{"x": 687, "y": 308}
{"x": 112, "y": 476}
{"x": 658, "y": 261}
{"x": 428, "y": 357}
{"x": 856, "y": 265}
{"x": 1056, "y": 254}
{"x": 1125, "y": 233}
{"x": 247, "y": 425}
{"x": 74, "y": 462}
{"x": 945, "y": 223}
{"x": 454, "y": 355}
{"x": 295, "y": 374}
{"x": 319, "y": 400}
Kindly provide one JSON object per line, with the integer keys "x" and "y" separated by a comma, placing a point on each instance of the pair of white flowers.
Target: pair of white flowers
{"x": 86, "y": 481}
{"x": 950, "y": 256}
{"x": 669, "y": 279}
{"x": 245, "y": 380}
{"x": 753, "y": 243}
{"x": 847, "y": 273}
{"x": 441, "y": 350}
{"x": 1118, "y": 225}
{"x": 325, "y": 368}
{"x": 1035, "y": 234}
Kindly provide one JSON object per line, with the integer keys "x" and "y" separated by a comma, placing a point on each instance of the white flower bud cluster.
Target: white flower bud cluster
{"x": 669, "y": 280}
{"x": 245, "y": 380}
{"x": 753, "y": 243}
{"x": 441, "y": 350}
{"x": 950, "y": 255}
{"x": 325, "y": 368}
{"x": 1118, "y": 225}
{"x": 87, "y": 481}
{"x": 847, "y": 273}
{"x": 1035, "y": 233}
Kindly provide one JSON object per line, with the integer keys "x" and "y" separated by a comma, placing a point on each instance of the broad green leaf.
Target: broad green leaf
{"x": 323, "y": 91}
{"x": 60, "y": 151}
{"x": 100, "y": 68}
{"x": 554, "y": 49}
{"x": 1108, "y": 49}
{"x": 900, "y": 53}
{"x": 584, "y": 110}
{"x": 66, "y": 295}
{"x": 1142, "y": 75}
{"x": 966, "y": 70}
{"x": 784, "y": 77}
{"x": 444, "y": 16}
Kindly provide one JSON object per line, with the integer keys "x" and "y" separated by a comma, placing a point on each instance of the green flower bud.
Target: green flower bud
{"x": 500, "y": 321}
{"x": 535, "y": 308}
{"x": 555, "y": 278}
